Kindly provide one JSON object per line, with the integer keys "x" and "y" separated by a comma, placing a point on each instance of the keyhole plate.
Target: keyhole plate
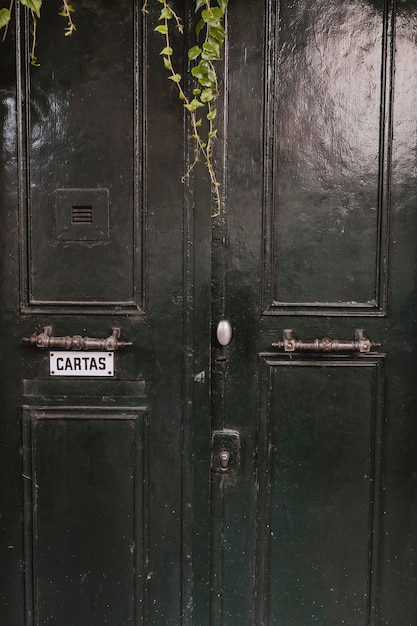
{"x": 225, "y": 441}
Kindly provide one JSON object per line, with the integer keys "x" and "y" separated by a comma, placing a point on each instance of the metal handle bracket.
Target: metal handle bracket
{"x": 359, "y": 344}
{"x": 45, "y": 340}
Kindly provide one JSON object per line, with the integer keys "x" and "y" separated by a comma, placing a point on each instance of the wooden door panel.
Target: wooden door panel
{"x": 84, "y": 515}
{"x": 83, "y": 124}
{"x": 319, "y": 473}
{"x": 326, "y": 129}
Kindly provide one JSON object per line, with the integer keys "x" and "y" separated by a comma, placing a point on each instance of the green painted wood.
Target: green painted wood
{"x": 84, "y": 516}
{"x": 320, "y": 489}
{"x": 319, "y": 239}
{"x": 107, "y": 456}
{"x": 317, "y": 234}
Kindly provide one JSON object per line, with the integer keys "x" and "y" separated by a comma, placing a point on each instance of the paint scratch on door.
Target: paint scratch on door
{"x": 200, "y": 377}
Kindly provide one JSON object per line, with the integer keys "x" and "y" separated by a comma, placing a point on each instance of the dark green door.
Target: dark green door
{"x": 92, "y": 238}
{"x": 114, "y": 508}
{"x": 319, "y": 524}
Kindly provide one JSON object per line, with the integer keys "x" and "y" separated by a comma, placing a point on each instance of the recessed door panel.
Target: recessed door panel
{"x": 326, "y": 116}
{"x": 84, "y": 159}
{"x": 83, "y": 472}
{"x": 320, "y": 443}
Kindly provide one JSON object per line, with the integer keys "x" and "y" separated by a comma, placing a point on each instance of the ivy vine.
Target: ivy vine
{"x": 34, "y": 7}
{"x": 200, "y": 104}
{"x": 199, "y": 100}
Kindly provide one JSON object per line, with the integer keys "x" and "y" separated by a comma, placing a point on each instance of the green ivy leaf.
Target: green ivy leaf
{"x": 217, "y": 12}
{"x": 167, "y": 63}
{"x": 207, "y": 95}
{"x": 166, "y": 14}
{"x": 199, "y": 4}
{"x": 218, "y": 33}
{"x": 199, "y": 72}
{"x": 167, "y": 51}
{"x": 211, "y": 75}
{"x": 212, "y": 48}
{"x": 212, "y": 134}
{"x": 162, "y": 28}
{"x": 206, "y": 77}
{"x": 208, "y": 18}
{"x": 193, "y": 105}
{"x": 212, "y": 41}
{"x": 175, "y": 78}
{"x": 33, "y": 5}
{"x": 212, "y": 114}
{"x": 199, "y": 27}
{"x": 196, "y": 103}
{"x": 4, "y": 17}
{"x": 205, "y": 82}
{"x": 194, "y": 53}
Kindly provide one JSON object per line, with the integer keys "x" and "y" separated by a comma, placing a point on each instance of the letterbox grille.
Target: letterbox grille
{"x": 82, "y": 215}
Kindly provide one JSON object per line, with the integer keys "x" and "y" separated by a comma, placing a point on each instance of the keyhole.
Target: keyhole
{"x": 224, "y": 457}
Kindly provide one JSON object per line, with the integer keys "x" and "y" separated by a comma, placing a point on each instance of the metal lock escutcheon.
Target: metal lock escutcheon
{"x": 225, "y": 451}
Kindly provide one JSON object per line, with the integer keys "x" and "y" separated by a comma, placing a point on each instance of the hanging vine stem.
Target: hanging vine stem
{"x": 35, "y": 9}
{"x": 211, "y": 31}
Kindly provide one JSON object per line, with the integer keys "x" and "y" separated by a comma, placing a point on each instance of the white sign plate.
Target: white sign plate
{"x": 77, "y": 363}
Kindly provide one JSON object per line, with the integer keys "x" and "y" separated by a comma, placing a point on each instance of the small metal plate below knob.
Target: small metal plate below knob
{"x": 224, "y": 332}
{"x": 225, "y": 451}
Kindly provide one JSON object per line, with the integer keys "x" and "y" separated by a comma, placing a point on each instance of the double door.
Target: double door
{"x": 270, "y": 480}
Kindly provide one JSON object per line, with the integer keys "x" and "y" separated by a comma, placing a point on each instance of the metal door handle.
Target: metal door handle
{"x": 224, "y": 332}
{"x": 45, "y": 340}
{"x": 359, "y": 344}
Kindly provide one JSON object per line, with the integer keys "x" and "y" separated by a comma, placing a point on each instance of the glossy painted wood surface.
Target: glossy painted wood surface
{"x": 108, "y": 503}
{"x": 319, "y": 228}
{"x": 92, "y": 509}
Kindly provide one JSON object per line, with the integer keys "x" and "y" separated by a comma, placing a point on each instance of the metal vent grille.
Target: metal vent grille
{"x": 82, "y": 215}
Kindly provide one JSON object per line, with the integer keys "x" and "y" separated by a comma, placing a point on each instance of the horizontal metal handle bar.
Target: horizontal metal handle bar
{"x": 46, "y": 340}
{"x": 359, "y": 344}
